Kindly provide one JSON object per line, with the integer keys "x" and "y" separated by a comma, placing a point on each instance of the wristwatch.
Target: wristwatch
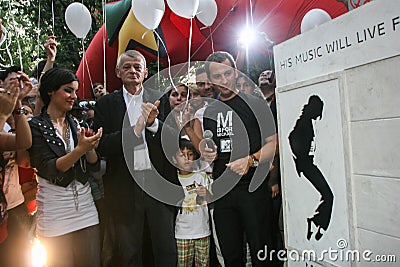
{"x": 20, "y": 111}
{"x": 255, "y": 162}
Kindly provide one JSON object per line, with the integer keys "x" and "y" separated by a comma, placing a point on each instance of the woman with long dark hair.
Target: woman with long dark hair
{"x": 64, "y": 155}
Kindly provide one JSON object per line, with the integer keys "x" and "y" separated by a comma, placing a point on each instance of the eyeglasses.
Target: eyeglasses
{"x": 87, "y": 104}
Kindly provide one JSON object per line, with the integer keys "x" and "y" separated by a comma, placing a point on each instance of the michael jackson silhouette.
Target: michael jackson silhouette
{"x": 302, "y": 143}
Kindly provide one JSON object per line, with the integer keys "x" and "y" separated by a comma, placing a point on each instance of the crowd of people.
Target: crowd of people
{"x": 136, "y": 177}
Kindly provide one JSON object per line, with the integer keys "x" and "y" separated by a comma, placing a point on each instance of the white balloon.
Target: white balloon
{"x": 78, "y": 19}
{"x": 184, "y": 8}
{"x": 148, "y": 12}
{"x": 207, "y": 12}
{"x": 313, "y": 18}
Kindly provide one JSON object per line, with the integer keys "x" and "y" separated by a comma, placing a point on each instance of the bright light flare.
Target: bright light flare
{"x": 247, "y": 37}
{"x": 38, "y": 254}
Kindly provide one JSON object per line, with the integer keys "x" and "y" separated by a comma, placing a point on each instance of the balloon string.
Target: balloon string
{"x": 169, "y": 61}
{"x": 251, "y": 13}
{"x": 19, "y": 53}
{"x": 83, "y": 69}
{"x": 190, "y": 48}
{"x": 190, "y": 45}
{"x": 272, "y": 11}
{"x": 7, "y": 43}
{"x": 9, "y": 52}
{"x": 38, "y": 41}
{"x": 17, "y": 31}
{"x": 212, "y": 41}
{"x": 219, "y": 24}
{"x": 52, "y": 14}
{"x": 104, "y": 45}
{"x": 87, "y": 67}
{"x": 158, "y": 63}
{"x": 188, "y": 69}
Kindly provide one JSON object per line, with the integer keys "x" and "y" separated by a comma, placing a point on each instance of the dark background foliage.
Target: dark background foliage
{"x": 21, "y": 19}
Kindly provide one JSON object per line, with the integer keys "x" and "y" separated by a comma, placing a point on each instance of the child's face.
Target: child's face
{"x": 184, "y": 159}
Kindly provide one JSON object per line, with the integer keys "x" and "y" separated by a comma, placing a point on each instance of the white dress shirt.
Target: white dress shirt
{"x": 134, "y": 108}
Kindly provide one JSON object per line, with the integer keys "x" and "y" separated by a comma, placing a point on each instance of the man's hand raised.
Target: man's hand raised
{"x": 150, "y": 112}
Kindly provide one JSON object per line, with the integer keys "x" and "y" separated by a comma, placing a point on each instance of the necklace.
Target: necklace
{"x": 67, "y": 139}
{"x": 65, "y": 135}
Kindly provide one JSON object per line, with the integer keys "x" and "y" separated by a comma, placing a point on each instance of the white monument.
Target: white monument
{"x": 338, "y": 96}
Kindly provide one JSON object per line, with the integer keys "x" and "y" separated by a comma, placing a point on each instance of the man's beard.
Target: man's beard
{"x": 226, "y": 93}
{"x": 264, "y": 83}
{"x": 266, "y": 86}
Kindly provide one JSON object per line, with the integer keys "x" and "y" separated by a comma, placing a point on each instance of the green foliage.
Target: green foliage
{"x": 21, "y": 19}
{"x": 258, "y": 63}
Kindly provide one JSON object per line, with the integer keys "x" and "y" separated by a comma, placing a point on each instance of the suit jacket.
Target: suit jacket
{"x": 47, "y": 147}
{"x": 117, "y": 144}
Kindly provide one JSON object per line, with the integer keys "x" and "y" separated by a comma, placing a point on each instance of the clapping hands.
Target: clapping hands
{"x": 8, "y": 98}
{"x": 89, "y": 140}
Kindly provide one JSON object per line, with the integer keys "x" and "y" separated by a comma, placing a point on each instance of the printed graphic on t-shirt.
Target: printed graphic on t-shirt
{"x": 224, "y": 124}
{"x": 225, "y": 145}
{"x": 189, "y": 204}
{"x": 191, "y": 188}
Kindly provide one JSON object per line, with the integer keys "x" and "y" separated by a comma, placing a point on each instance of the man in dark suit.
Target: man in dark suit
{"x": 137, "y": 167}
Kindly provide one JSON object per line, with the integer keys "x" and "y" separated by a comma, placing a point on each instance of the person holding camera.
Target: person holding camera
{"x": 267, "y": 84}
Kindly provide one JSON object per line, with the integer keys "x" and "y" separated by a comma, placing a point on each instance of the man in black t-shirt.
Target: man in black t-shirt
{"x": 244, "y": 132}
